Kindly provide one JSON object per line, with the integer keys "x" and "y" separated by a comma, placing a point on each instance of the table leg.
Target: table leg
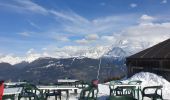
{"x": 75, "y": 91}
{"x": 138, "y": 92}
{"x": 67, "y": 92}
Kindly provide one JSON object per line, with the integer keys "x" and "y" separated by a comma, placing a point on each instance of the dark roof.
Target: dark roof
{"x": 159, "y": 51}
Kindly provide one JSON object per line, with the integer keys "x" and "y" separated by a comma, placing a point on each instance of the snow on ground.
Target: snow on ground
{"x": 148, "y": 79}
{"x": 104, "y": 92}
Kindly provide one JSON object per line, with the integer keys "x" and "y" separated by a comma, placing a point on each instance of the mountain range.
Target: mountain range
{"x": 121, "y": 48}
{"x": 83, "y": 66}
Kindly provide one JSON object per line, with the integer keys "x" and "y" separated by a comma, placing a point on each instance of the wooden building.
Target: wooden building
{"x": 155, "y": 59}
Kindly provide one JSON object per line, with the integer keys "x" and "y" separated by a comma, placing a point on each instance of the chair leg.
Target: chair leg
{"x": 142, "y": 98}
{"x": 13, "y": 97}
{"x": 46, "y": 97}
{"x": 36, "y": 98}
{"x": 55, "y": 97}
{"x": 60, "y": 96}
{"x": 111, "y": 92}
{"x": 18, "y": 97}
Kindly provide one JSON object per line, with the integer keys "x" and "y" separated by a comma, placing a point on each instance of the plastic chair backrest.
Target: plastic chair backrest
{"x": 115, "y": 82}
{"x": 154, "y": 95}
{"x": 112, "y": 83}
{"x": 32, "y": 89}
{"x": 135, "y": 82}
{"x": 153, "y": 87}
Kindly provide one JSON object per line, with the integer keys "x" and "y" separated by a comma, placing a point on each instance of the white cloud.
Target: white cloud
{"x": 30, "y": 51}
{"x": 82, "y": 41}
{"x": 146, "y": 19}
{"x": 143, "y": 34}
{"x": 26, "y": 34}
{"x": 151, "y": 32}
{"x": 75, "y": 24}
{"x": 62, "y": 38}
{"x": 72, "y": 22}
{"x": 31, "y": 6}
{"x": 44, "y": 49}
{"x": 164, "y": 1}
{"x": 146, "y": 33}
{"x": 110, "y": 38}
{"x": 103, "y": 4}
{"x": 25, "y": 6}
{"x": 106, "y": 27}
{"x": 69, "y": 16}
{"x": 133, "y": 5}
{"x": 34, "y": 25}
{"x": 92, "y": 37}
{"x": 132, "y": 38}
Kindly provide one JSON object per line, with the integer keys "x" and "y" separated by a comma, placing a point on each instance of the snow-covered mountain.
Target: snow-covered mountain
{"x": 11, "y": 59}
{"x": 49, "y": 69}
{"x": 121, "y": 48}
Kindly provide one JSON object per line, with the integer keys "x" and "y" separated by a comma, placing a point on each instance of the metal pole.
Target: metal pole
{"x": 98, "y": 72}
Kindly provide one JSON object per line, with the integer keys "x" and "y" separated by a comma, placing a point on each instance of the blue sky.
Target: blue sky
{"x": 44, "y": 26}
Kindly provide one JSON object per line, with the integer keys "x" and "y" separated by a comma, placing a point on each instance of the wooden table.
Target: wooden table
{"x": 60, "y": 88}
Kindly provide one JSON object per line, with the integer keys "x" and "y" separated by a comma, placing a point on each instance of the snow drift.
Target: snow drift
{"x": 148, "y": 79}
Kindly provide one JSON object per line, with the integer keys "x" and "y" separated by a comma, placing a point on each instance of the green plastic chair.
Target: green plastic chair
{"x": 135, "y": 82}
{"x": 7, "y": 97}
{"x": 55, "y": 93}
{"x": 89, "y": 93}
{"x": 31, "y": 91}
{"x": 111, "y": 87}
{"x": 154, "y": 95}
{"x": 125, "y": 91}
{"x": 121, "y": 98}
{"x": 138, "y": 90}
{"x": 80, "y": 84}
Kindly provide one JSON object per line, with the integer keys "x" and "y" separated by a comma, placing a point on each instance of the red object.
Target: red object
{"x": 1, "y": 89}
{"x": 95, "y": 82}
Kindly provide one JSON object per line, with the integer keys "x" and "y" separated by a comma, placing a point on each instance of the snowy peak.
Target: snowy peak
{"x": 117, "y": 52}
{"x": 10, "y": 59}
{"x": 124, "y": 48}
{"x": 15, "y": 60}
{"x": 120, "y": 48}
